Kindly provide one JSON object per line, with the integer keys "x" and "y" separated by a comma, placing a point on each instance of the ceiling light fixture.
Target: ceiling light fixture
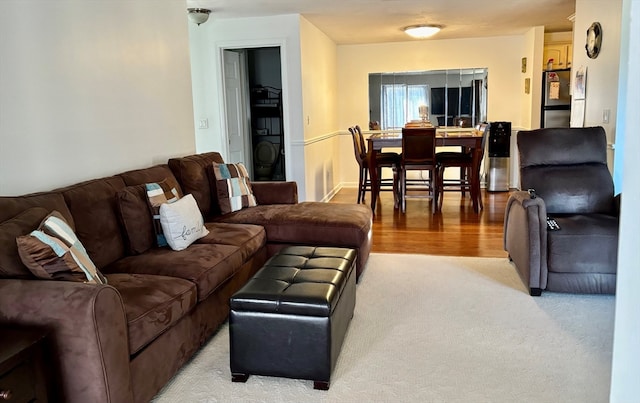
{"x": 198, "y": 15}
{"x": 422, "y": 31}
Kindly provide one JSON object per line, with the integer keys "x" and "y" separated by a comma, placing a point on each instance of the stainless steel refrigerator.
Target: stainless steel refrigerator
{"x": 556, "y": 100}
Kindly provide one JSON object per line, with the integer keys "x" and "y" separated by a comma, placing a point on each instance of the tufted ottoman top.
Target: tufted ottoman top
{"x": 299, "y": 280}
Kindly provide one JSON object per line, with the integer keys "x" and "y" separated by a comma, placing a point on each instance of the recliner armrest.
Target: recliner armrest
{"x": 275, "y": 192}
{"x": 525, "y": 238}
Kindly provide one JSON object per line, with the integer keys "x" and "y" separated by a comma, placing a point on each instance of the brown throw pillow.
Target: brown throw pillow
{"x": 135, "y": 218}
{"x": 53, "y": 252}
{"x": 157, "y": 194}
{"x": 10, "y": 264}
{"x": 233, "y": 187}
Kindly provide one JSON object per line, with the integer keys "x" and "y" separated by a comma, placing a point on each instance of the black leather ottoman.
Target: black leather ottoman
{"x": 290, "y": 319}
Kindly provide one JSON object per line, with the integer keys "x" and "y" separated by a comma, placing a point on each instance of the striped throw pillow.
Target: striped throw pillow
{"x": 54, "y": 252}
{"x": 158, "y": 194}
{"x": 233, "y": 187}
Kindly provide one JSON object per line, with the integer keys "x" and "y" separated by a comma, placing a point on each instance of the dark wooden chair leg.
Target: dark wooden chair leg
{"x": 440, "y": 180}
{"x": 396, "y": 198}
{"x": 321, "y": 385}
{"x": 239, "y": 377}
{"x": 433, "y": 183}
{"x": 365, "y": 184}
{"x": 360, "y": 185}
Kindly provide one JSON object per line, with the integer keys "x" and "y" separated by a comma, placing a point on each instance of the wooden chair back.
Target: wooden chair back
{"x": 419, "y": 146}
{"x": 358, "y": 149}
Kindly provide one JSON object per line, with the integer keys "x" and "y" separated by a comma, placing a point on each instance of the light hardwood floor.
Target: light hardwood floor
{"x": 456, "y": 231}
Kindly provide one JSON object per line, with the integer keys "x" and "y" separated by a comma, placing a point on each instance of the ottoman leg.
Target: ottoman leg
{"x": 321, "y": 385}
{"x": 239, "y": 377}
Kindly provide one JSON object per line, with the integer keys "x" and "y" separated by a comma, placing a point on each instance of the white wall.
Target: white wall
{"x": 501, "y": 55}
{"x": 602, "y": 72}
{"x": 531, "y": 102}
{"x": 207, "y": 42}
{"x": 319, "y": 93}
{"x": 625, "y": 372}
{"x": 90, "y": 89}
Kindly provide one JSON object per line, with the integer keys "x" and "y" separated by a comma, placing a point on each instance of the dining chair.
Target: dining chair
{"x": 464, "y": 161}
{"x": 383, "y": 160}
{"x": 418, "y": 154}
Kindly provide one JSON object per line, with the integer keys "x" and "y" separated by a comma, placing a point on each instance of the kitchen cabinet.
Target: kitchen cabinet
{"x": 561, "y": 53}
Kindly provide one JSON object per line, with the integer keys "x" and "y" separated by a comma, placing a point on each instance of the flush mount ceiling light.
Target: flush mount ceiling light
{"x": 198, "y": 15}
{"x": 422, "y": 31}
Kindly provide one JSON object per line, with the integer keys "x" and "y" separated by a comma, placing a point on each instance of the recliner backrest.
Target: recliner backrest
{"x": 567, "y": 167}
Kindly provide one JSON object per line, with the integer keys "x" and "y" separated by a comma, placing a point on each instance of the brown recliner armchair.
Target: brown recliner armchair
{"x": 564, "y": 176}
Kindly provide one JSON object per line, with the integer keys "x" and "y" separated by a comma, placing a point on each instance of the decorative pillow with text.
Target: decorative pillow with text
{"x": 182, "y": 222}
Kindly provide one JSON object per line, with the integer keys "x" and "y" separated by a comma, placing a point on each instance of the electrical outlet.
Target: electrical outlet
{"x": 203, "y": 124}
{"x": 605, "y": 115}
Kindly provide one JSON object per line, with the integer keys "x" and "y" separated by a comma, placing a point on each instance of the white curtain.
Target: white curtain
{"x": 400, "y": 104}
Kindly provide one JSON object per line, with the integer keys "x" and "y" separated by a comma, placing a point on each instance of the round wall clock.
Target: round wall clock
{"x": 594, "y": 40}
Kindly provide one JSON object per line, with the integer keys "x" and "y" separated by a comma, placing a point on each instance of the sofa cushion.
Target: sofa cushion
{"x": 136, "y": 221}
{"x": 309, "y": 223}
{"x": 249, "y": 238}
{"x": 584, "y": 244}
{"x": 10, "y": 264}
{"x": 159, "y": 193}
{"x": 182, "y": 222}
{"x": 96, "y": 217}
{"x": 312, "y": 223}
{"x": 12, "y": 206}
{"x": 53, "y": 252}
{"x": 233, "y": 187}
{"x": 155, "y": 173}
{"x": 152, "y": 304}
{"x": 207, "y": 265}
{"x": 193, "y": 174}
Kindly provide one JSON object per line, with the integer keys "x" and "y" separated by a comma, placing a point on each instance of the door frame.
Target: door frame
{"x": 271, "y": 43}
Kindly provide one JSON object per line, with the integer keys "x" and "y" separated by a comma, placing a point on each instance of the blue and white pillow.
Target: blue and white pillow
{"x": 54, "y": 252}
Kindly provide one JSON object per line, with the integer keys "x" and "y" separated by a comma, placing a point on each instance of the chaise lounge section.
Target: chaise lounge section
{"x": 286, "y": 222}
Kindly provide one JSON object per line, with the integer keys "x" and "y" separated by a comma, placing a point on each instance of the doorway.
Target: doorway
{"x": 253, "y": 97}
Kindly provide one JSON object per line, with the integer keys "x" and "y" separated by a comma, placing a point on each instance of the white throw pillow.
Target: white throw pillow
{"x": 182, "y": 222}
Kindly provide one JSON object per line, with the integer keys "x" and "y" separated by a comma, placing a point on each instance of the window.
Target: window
{"x": 400, "y": 103}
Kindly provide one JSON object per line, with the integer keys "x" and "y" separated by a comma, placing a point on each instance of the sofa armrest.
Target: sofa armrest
{"x": 525, "y": 238}
{"x": 275, "y": 192}
{"x": 88, "y": 344}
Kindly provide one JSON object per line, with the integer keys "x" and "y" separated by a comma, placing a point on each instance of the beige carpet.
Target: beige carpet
{"x": 439, "y": 329}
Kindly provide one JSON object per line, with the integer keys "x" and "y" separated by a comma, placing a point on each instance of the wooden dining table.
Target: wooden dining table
{"x": 469, "y": 139}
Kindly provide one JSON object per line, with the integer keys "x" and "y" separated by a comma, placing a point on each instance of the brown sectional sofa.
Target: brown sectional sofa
{"x": 123, "y": 341}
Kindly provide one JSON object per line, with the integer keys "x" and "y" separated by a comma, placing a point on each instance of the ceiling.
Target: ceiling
{"x": 374, "y": 21}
